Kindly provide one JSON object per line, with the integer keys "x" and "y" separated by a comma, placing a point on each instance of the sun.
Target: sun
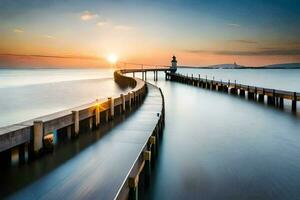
{"x": 112, "y": 58}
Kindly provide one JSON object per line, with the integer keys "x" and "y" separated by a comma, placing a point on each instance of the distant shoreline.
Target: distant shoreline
{"x": 235, "y": 66}
{"x": 189, "y": 67}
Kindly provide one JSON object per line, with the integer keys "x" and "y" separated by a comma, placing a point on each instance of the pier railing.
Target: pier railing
{"x": 33, "y": 132}
{"x": 274, "y": 96}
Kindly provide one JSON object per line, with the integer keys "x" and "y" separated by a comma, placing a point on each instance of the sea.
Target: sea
{"x": 29, "y": 93}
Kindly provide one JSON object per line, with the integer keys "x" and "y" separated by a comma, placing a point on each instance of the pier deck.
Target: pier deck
{"x": 102, "y": 170}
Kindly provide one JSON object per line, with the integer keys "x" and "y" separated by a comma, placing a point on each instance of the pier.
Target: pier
{"x": 273, "y": 97}
{"x": 124, "y": 156}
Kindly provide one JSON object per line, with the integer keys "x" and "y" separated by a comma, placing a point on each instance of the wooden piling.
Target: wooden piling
{"x": 242, "y": 92}
{"x": 97, "y": 114}
{"x": 147, "y": 166}
{"x": 21, "y": 151}
{"x": 75, "y": 115}
{"x": 111, "y": 107}
{"x": 281, "y": 102}
{"x": 129, "y": 101}
{"x": 294, "y": 102}
{"x": 38, "y": 136}
{"x": 133, "y": 183}
{"x": 123, "y": 103}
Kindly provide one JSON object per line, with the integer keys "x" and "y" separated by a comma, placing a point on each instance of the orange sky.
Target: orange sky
{"x": 57, "y": 34}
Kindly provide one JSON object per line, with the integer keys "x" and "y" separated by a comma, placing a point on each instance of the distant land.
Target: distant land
{"x": 219, "y": 66}
{"x": 236, "y": 66}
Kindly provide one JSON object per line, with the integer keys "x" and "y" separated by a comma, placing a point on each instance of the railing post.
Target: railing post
{"x": 133, "y": 183}
{"x": 21, "y": 149}
{"x": 97, "y": 114}
{"x": 129, "y": 100}
{"x": 75, "y": 115}
{"x": 294, "y": 102}
{"x": 123, "y": 102}
{"x": 112, "y": 107}
{"x": 38, "y": 136}
{"x": 147, "y": 167}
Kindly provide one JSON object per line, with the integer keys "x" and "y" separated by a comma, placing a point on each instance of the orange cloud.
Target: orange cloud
{"x": 45, "y": 61}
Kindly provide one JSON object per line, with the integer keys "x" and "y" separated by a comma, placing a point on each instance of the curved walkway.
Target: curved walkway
{"x": 99, "y": 171}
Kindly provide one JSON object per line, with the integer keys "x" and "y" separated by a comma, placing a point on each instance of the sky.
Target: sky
{"x": 83, "y": 33}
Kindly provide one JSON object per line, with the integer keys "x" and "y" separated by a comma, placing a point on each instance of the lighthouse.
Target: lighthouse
{"x": 174, "y": 64}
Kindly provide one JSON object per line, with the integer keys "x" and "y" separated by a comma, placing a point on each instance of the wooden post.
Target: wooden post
{"x": 152, "y": 141}
{"x": 242, "y": 92}
{"x": 97, "y": 114}
{"x": 91, "y": 123}
{"x": 123, "y": 102}
{"x": 133, "y": 183}
{"x": 281, "y": 103}
{"x": 261, "y": 97}
{"x": 147, "y": 167}
{"x": 21, "y": 153}
{"x": 112, "y": 107}
{"x": 129, "y": 101}
{"x": 294, "y": 102}
{"x": 69, "y": 132}
{"x": 106, "y": 116}
{"x": 76, "y": 122}
{"x": 38, "y": 136}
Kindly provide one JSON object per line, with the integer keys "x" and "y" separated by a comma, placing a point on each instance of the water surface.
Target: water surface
{"x": 218, "y": 146}
{"x": 31, "y": 93}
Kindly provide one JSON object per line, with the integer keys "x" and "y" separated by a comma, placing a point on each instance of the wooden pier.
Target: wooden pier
{"x": 273, "y": 96}
{"x": 144, "y": 71}
{"x": 123, "y": 154}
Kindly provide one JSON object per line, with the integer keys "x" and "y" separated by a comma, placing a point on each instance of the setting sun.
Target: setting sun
{"x": 112, "y": 58}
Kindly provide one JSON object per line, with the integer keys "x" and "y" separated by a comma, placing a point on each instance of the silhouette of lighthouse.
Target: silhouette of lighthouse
{"x": 174, "y": 64}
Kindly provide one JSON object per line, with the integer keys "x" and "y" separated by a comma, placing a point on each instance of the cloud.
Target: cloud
{"x": 48, "y": 36}
{"x": 52, "y": 56}
{"x": 123, "y": 27}
{"x": 267, "y": 52}
{"x": 244, "y": 41}
{"x": 17, "y": 30}
{"x": 87, "y": 15}
{"x": 233, "y": 25}
{"x": 102, "y": 23}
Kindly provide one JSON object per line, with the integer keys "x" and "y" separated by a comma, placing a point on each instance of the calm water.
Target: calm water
{"x": 30, "y": 93}
{"x": 218, "y": 146}
{"x": 215, "y": 146}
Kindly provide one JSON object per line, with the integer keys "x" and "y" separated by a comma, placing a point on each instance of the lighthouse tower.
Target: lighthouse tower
{"x": 174, "y": 64}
